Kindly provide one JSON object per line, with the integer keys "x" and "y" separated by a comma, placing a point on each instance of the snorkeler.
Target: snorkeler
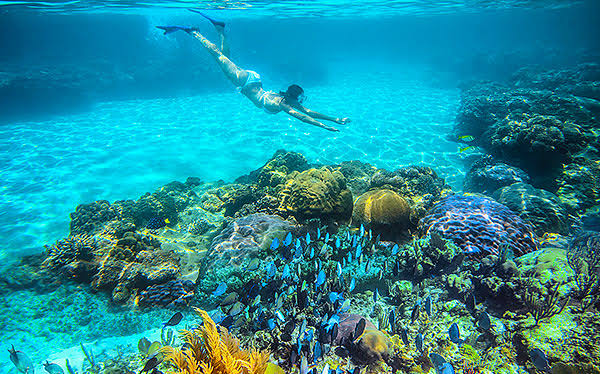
{"x": 249, "y": 82}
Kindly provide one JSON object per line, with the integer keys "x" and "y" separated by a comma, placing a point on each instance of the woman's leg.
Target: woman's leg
{"x": 224, "y": 44}
{"x": 235, "y": 74}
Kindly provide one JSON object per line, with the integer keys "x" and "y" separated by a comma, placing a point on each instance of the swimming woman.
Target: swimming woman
{"x": 250, "y": 84}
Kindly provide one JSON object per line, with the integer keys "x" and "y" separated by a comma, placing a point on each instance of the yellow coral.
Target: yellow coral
{"x": 214, "y": 350}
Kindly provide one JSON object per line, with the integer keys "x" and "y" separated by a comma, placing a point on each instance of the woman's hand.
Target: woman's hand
{"x": 343, "y": 121}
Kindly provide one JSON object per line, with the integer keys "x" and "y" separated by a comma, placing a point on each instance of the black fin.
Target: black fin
{"x": 212, "y": 20}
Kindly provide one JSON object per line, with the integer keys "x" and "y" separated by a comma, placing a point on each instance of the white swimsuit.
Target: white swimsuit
{"x": 254, "y": 77}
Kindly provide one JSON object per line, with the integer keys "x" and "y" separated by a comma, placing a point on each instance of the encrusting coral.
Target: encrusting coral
{"x": 212, "y": 350}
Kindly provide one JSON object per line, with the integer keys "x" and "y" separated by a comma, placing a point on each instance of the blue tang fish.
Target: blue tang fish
{"x": 320, "y": 279}
{"x": 445, "y": 368}
{"x": 419, "y": 342}
{"x": 288, "y": 239}
{"x": 286, "y": 272}
{"x": 454, "y": 334}
{"x": 221, "y": 288}
{"x": 352, "y": 285}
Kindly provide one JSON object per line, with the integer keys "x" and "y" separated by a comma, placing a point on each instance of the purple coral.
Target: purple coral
{"x": 479, "y": 225}
{"x": 245, "y": 237}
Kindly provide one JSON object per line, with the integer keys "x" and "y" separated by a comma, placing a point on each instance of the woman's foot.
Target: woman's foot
{"x": 216, "y": 23}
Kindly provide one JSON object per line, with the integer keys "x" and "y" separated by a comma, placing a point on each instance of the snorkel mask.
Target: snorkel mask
{"x": 301, "y": 98}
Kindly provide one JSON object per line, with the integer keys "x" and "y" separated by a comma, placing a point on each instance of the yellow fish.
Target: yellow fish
{"x": 466, "y": 138}
{"x": 461, "y": 150}
{"x": 273, "y": 369}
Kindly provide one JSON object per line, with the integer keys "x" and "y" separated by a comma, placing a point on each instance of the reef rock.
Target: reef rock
{"x": 131, "y": 262}
{"x": 540, "y": 207}
{"x": 485, "y": 104}
{"x": 358, "y": 175}
{"x": 88, "y": 218}
{"x": 536, "y": 143}
{"x": 431, "y": 255}
{"x": 165, "y": 203}
{"x": 276, "y": 170}
{"x": 578, "y": 184}
{"x": 487, "y": 175}
{"x": 411, "y": 181}
{"x": 581, "y": 80}
{"x": 479, "y": 225}
{"x": 316, "y": 193}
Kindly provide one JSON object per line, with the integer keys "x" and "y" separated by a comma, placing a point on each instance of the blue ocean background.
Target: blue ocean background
{"x": 97, "y": 104}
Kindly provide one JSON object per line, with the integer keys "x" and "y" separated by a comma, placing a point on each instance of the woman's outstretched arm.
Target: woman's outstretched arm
{"x": 305, "y": 118}
{"x": 317, "y": 115}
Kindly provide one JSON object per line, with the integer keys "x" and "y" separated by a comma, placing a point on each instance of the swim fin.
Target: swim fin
{"x": 215, "y": 22}
{"x": 171, "y": 29}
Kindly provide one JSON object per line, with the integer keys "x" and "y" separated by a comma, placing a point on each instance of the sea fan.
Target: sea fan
{"x": 212, "y": 349}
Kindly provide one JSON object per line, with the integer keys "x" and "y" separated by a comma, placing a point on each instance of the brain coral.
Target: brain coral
{"x": 316, "y": 193}
{"x": 381, "y": 207}
{"x": 479, "y": 225}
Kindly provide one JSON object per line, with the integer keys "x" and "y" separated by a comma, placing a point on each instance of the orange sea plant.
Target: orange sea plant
{"x": 213, "y": 350}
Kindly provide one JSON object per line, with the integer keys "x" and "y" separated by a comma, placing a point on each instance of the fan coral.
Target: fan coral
{"x": 213, "y": 350}
{"x": 583, "y": 255}
{"x": 479, "y": 225}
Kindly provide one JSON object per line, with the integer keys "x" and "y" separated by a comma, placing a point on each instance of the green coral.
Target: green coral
{"x": 316, "y": 193}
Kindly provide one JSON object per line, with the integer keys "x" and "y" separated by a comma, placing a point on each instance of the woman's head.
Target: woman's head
{"x": 293, "y": 93}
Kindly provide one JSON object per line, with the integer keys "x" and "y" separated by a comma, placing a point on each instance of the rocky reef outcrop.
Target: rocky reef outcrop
{"x": 541, "y": 208}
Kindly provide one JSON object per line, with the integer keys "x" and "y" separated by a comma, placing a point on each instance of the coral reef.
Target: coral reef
{"x": 213, "y": 350}
{"x": 536, "y": 143}
{"x": 316, "y": 193}
{"x": 485, "y": 104}
{"x": 578, "y": 183}
{"x": 73, "y": 256}
{"x": 479, "y": 225}
{"x": 426, "y": 257}
{"x": 541, "y": 208}
{"x": 130, "y": 262}
{"x": 172, "y": 294}
{"x": 358, "y": 175}
{"x": 276, "y": 170}
{"x": 87, "y": 218}
{"x": 583, "y": 255}
{"x": 410, "y": 181}
{"x": 487, "y": 175}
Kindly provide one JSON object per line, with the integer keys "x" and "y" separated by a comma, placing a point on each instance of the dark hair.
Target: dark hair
{"x": 293, "y": 92}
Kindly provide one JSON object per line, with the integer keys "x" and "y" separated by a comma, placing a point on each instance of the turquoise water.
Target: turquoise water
{"x": 97, "y": 104}
{"x": 122, "y": 149}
